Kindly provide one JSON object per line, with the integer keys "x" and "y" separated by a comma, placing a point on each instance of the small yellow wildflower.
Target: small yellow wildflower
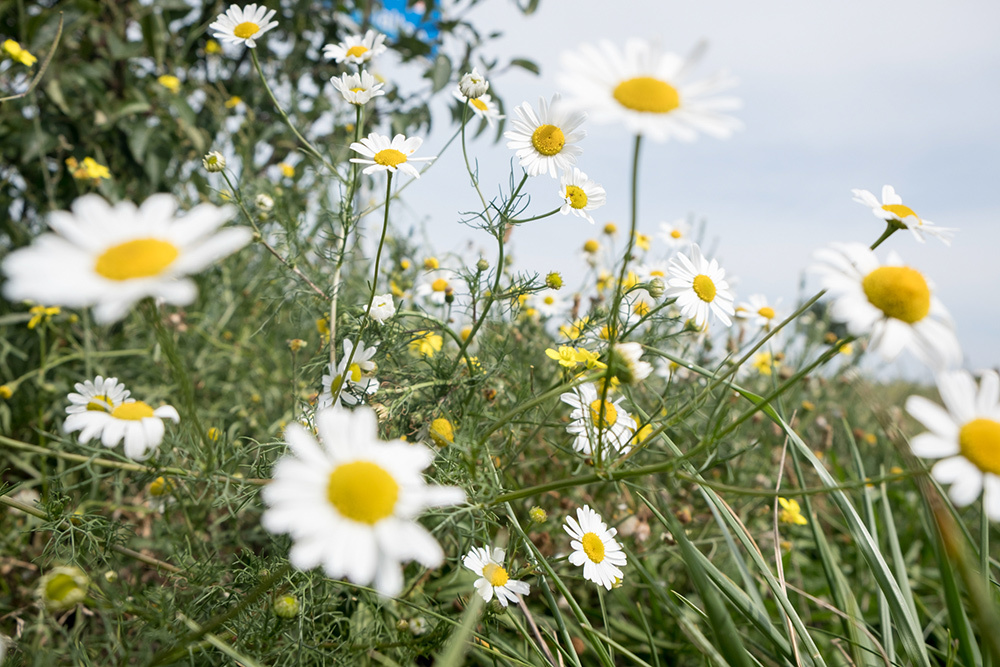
{"x": 296, "y": 344}
{"x": 604, "y": 279}
{"x": 287, "y": 170}
{"x": 642, "y": 240}
{"x": 160, "y": 487}
{"x": 442, "y": 432}
{"x": 565, "y": 355}
{"x": 404, "y": 264}
{"x": 808, "y": 406}
{"x": 554, "y": 281}
{"x": 170, "y": 82}
{"x": 214, "y": 434}
{"x": 642, "y": 434}
{"x": 574, "y": 330}
{"x": 213, "y": 48}
{"x": 538, "y": 515}
{"x": 847, "y": 349}
{"x": 91, "y": 169}
{"x": 610, "y": 228}
{"x": 791, "y": 512}
{"x": 591, "y": 246}
{"x": 425, "y": 343}
{"x": 323, "y": 327}
{"x": 6, "y": 391}
{"x": 234, "y": 102}
{"x": 871, "y": 438}
{"x": 465, "y": 333}
{"x": 19, "y": 53}
{"x": 764, "y": 363}
{"x": 585, "y": 356}
{"x": 431, "y": 263}
{"x": 41, "y": 315}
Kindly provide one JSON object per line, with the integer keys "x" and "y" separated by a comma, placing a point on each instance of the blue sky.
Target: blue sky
{"x": 836, "y": 96}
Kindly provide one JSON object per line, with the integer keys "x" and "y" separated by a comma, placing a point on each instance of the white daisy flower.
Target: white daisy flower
{"x": 892, "y": 210}
{"x": 628, "y": 354}
{"x": 483, "y": 106}
{"x": 350, "y": 385}
{"x": 137, "y": 422}
{"x": 647, "y": 90}
{"x": 110, "y": 256}
{"x": 700, "y": 288}
{"x": 103, "y": 394}
{"x": 545, "y": 142}
{"x": 595, "y": 548}
{"x": 890, "y": 301}
{"x": 580, "y": 194}
{"x": 676, "y": 234}
{"x": 472, "y": 85}
{"x": 243, "y": 25}
{"x": 615, "y": 428}
{"x": 358, "y": 89}
{"x": 757, "y": 311}
{"x": 493, "y": 578}
{"x": 966, "y": 436}
{"x": 349, "y": 503}
{"x": 435, "y": 286}
{"x": 548, "y": 303}
{"x": 384, "y": 154}
{"x": 650, "y": 270}
{"x": 356, "y": 49}
{"x": 382, "y": 308}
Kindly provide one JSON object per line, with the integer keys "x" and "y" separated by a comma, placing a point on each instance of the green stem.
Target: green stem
{"x": 288, "y": 121}
{"x": 532, "y": 219}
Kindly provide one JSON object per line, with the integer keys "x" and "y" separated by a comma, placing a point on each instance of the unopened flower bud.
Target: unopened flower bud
{"x": 264, "y": 203}
{"x": 553, "y": 280}
{"x": 482, "y": 264}
{"x": 656, "y": 287}
{"x": 496, "y": 608}
{"x": 473, "y": 85}
{"x": 214, "y": 162}
{"x": 286, "y": 606}
{"x": 538, "y": 515}
{"x": 63, "y": 588}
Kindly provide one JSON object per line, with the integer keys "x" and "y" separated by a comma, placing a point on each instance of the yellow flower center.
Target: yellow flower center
{"x": 359, "y": 89}
{"x": 133, "y": 411}
{"x": 246, "y": 29}
{"x": 656, "y": 273}
{"x": 610, "y": 414}
{"x": 676, "y": 234}
{"x": 355, "y": 372}
{"x": 641, "y": 308}
{"x": 439, "y": 285}
{"x": 576, "y": 196}
{"x": 389, "y": 157}
{"x": 647, "y": 94}
{"x": 479, "y": 104}
{"x": 899, "y": 292}
{"x": 141, "y": 258}
{"x": 496, "y": 575}
{"x": 362, "y": 491}
{"x": 548, "y": 139}
{"x": 900, "y": 211}
{"x": 591, "y": 246}
{"x": 704, "y": 287}
{"x": 357, "y": 51}
{"x": 99, "y": 403}
{"x": 593, "y": 547}
{"x": 979, "y": 441}
{"x": 549, "y": 300}
{"x": 766, "y": 312}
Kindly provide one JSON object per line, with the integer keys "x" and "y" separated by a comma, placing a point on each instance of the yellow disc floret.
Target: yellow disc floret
{"x": 899, "y": 292}
{"x": 246, "y": 29}
{"x": 496, "y": 575}
{"x": 133, "y": 411}
{"x": 140, "y": 258}
{"x": 704, "y": 287}
{"x": 766, "y": 312}
{"x": 389, "y": 157}
{"x": 593, "y": 547}
{"x": 479, "y": 104}
{"x": 576, "y": 196}
{"x": 647, "y": 94}
{"x": 548, "y": 139}
{"x": 362, "y": 491}
{"x": 900, "y": 211}
{"x": 979, "y": 441}
{"x": 610, "y": 413}
{"x": 357, "y": 51}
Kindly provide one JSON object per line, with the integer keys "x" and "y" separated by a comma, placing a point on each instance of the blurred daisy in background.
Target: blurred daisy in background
{"x": 137, "y": 422}
{"x": 103, "y": 394}
{"x": 357, "y": 89}
{"x": 350, "y": 384}
{"x": 893, "y": 211}
{"x": 647, "y": 90}
{"x": 757, "y": 311}
{"x": 356, "y": 49}
{"x": 483, "y": 106}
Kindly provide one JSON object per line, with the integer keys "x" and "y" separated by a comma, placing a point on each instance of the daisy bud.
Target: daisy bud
{"x": 656, "y": 288}
{"x": 214, "y": 162}
{"x": 264, "y": 203}
{"x": 473, "y": 85}
{"x": 418, "y": 626}
{"x": 591, "y": 246}
{"x": 286, "y": 607}
{"x": 63, "y": 588}
{"x": 554, "y": 281}
{"x": 111, "y": 576}
{"x": 442, "y": 432}
{"x": 6, "y": 391}
{"x": 496, "y": 608}
{"x": 482, "y": 264}
{"x": 538, "y": 515}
